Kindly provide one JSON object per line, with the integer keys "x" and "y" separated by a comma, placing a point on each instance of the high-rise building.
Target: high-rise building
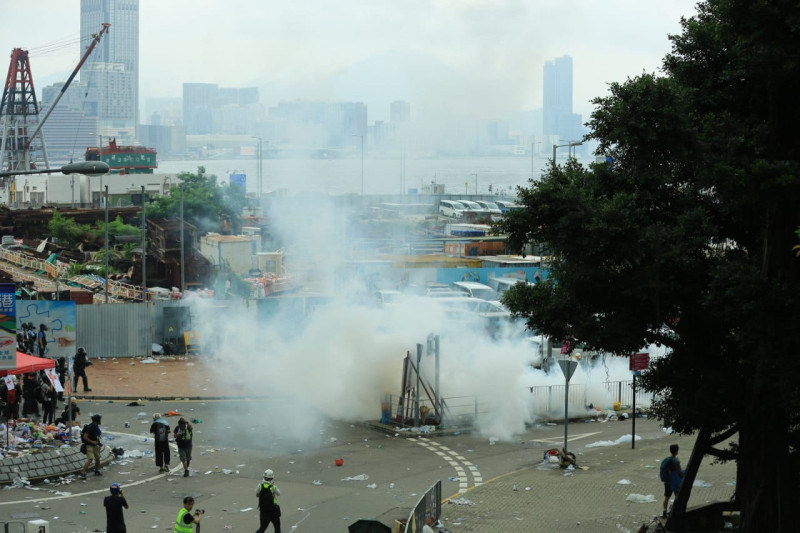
{"x": 557, "y": 94}
{"x": 111, "y": 73}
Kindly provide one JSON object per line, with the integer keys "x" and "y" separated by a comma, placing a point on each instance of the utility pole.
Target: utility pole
{"x": 106, "y": 204}
{"x": 183, "y": 284}
{"x": 144, "y": 248}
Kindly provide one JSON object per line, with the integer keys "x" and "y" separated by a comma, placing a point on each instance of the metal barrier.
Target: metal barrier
{"x": 464, "y": 411}
{"x": 551, "y": 397}
{"x": 430, "y": 504}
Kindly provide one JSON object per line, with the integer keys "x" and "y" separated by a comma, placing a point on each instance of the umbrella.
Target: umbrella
{"x": 369, "y": 526}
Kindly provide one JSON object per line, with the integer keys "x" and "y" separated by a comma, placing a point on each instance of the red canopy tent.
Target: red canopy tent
{"x": 29, "y": 363}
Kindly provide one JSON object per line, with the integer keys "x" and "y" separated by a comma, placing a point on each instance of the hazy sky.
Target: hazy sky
{"x": 483, "y": 56}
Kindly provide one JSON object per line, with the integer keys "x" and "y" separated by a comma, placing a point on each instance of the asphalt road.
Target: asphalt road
{"x": 238, "y": 440}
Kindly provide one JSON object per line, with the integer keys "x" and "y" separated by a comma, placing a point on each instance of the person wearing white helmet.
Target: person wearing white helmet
{"x": 269, "y": 510}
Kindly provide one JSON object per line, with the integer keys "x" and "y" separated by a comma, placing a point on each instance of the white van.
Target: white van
{"x": 477, "y": 290}
{"x": 451, "y": 208}
{"x": 503, "y": 284}
{"x": 491, "y": 207}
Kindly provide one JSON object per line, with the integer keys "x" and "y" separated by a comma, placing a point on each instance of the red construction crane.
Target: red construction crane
{"x": 19, "y": 109}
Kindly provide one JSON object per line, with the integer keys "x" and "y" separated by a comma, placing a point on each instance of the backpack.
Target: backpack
{"x": 161, "y": 433}
{"x": 666, "y": 466}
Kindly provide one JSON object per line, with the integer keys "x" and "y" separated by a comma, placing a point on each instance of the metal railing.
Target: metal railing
{"x": 430, "y": 504}
{"x": 589, "y": 395}
{"x": 464, "y": 411}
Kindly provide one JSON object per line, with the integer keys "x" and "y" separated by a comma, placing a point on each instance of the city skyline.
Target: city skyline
{"x": 477, "y": 59}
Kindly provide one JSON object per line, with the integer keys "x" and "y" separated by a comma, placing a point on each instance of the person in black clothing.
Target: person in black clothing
{"x": 41, "y": 340}
{"x": 268, "y": 509}
{"x": 91, "y": 437}
{"x": 30, "y": 389}
{"x": 50, "y": 402}
{"x": 79, "y": 368}
{"x": 115, "y": 520}
{"x": 160, "y": 430}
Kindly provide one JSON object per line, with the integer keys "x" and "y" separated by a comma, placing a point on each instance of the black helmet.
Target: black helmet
{"x": 96, "y": 418}
{"x": 81, "y": 351}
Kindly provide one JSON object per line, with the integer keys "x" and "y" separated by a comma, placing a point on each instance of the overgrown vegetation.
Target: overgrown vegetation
{"x": 686, "y": 240}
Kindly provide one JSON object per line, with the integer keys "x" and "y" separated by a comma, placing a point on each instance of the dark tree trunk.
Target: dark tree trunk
{"x": 677, "y": 520}
{"x": 761, "y": 481}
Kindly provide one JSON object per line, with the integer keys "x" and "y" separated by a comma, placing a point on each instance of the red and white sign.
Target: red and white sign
{"x": 639, "y": 361}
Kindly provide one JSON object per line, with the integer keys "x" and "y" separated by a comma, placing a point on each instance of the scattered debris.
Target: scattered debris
{"x": 640, "y": 498}
{"x": 360, "y": 477}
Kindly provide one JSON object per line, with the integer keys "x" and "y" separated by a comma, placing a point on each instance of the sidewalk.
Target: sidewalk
{"x": 164, "y": 378}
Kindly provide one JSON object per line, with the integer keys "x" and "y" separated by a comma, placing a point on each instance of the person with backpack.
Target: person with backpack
{"x": 671, "y": 475}
{"x": 160, "y": 430}
{"x": 183, "y": 438}
{"x": 90, "y": 436}
{"x": 268, "y": 508}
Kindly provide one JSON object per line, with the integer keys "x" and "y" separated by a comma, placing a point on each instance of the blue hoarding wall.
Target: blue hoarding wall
{"x": 61, "y": 322}
{"x": 8, "y": 326}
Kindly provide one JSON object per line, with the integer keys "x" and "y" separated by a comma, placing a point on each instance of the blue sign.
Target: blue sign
{"x": 240, "y": 180}
{"x": 8, "y": 326}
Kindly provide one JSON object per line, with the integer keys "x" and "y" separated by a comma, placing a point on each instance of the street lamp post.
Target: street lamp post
{"x": 183, "y": 284}
{"x": 362, "y": 160}
{"x": 144, "y": 248}
{"x": 106, "y": 241}
{"x": 569, "y": 144}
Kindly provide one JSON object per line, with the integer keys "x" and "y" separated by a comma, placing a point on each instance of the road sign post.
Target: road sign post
{"x": 639, "y": 362}
{"x": 568, "y": 368}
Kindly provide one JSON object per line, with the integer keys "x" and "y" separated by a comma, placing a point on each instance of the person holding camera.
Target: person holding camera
{"x": 185, "y": 519}
{"x": 115, "y": 521}
{"x": 183, "y": 438}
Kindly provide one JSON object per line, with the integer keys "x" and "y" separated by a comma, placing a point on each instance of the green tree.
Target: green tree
{"x": 205, "y": 204}
{"x": 116, "y": 228}
{"x": 686, "y": 240}
{"x": 68, "y": 232}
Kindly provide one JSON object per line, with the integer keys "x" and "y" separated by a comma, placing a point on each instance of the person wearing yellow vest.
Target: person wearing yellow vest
{"x": 185, "y": 519}
{"x": 269, "y": 510}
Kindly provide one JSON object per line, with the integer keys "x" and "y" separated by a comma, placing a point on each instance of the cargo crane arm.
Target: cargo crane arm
{"x": 95, "y": 39}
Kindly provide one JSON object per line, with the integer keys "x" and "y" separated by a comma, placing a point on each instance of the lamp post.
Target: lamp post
{"x": 259, "y": 165}
{"x": 144, "y": 248}
{"x": 183, "y": 285}
{"x": 362, "y": 160}
{"x": 569, "y": 144}
{"x": 106, "y": 240}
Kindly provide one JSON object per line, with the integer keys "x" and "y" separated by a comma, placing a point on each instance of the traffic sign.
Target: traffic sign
{"x": 567, "y": 367}
{"x": 639, "y": 361}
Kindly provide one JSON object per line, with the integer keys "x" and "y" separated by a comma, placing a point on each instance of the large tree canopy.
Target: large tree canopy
{"x": 686, "y": 239}
{"x": 205, "y": 204}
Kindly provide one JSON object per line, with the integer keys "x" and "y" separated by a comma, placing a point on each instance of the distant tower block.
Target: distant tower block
{"x": 19, "y": 117}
